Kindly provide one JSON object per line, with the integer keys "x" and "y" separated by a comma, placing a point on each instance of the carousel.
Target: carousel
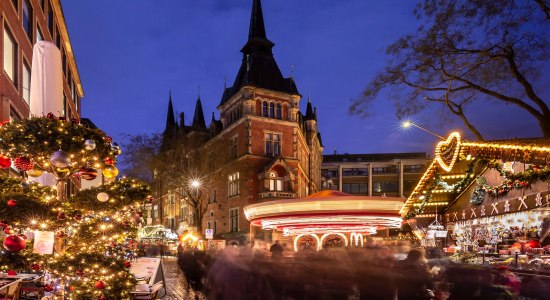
{"x": 327, "y": 219}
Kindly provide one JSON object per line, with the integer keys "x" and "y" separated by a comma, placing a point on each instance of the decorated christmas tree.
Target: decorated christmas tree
{"x": 83, "y": 242}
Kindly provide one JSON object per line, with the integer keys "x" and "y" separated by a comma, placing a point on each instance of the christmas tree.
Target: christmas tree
{"x": 84, "y": 242}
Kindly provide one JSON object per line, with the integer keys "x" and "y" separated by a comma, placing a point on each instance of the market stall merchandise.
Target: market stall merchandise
{"x": 492, "y": 197}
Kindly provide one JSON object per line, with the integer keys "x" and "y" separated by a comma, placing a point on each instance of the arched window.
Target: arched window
{"x": 271, "y": 110}
{"x": 279, "y": 111}
{"x": 264, "y": 112}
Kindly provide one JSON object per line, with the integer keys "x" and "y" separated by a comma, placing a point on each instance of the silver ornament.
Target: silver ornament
{"x": 89, "y": 145}
{"x": 116, "y": 149}
{"x": 60, "y": 159}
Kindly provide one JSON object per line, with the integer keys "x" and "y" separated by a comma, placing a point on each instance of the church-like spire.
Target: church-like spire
{"x": 170, "y": 118}
{"x": 257, "y": 27}
{"x": 258, "y": 66}
{"x": 198, "y": 119}
{"x": 309, "y": 110}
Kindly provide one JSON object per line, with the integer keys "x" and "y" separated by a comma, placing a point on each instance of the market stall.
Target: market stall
{"x": 490, "y": 201}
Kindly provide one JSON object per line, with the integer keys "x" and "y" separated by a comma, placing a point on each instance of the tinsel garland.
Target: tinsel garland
{"x": 517, "y": 181}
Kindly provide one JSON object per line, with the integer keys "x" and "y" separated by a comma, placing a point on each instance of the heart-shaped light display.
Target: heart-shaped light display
{"x": 446, "y": 152}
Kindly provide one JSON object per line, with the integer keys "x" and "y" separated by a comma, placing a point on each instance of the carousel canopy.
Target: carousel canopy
{"x": 327, "y": 211}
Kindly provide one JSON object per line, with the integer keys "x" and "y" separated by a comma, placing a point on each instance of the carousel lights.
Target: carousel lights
{"x": 306, "y": 234}
{"x": 319, "y": 229}
{"x": 353, "y": 220}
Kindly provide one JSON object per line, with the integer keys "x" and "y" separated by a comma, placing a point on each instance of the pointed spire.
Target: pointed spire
{"x": 170, "y": 118}
{"x": 182, "y": 120}
{"x": 257, "y": 27}
{"x": 198, "y": 119}
{"x": 309, "y": 110}
{"x": 315, "y": 113}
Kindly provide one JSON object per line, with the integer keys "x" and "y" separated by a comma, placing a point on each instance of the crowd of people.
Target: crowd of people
{"x": 340, "y": 273}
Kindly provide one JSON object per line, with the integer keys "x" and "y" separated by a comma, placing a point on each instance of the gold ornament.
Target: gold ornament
{"x": 34, "y": 173}
{"x": 110, "y": 172}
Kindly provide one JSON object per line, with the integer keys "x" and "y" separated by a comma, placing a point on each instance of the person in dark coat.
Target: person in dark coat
{"x": 276, "y": 250}
{"x": 413, "y": 277}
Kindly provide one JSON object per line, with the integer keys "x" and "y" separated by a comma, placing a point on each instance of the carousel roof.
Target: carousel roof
{"x": 327, "y": 211}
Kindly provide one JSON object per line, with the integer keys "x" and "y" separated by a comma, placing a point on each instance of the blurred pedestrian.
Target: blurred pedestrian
{"x": 276, "y": 250}
{"x": 413, "y": 277}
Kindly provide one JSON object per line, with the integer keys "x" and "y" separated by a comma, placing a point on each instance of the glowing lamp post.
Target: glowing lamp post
{"x": 408, "y": 124}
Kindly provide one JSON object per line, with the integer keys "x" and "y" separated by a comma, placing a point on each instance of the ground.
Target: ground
{"x": 176, "y": 287}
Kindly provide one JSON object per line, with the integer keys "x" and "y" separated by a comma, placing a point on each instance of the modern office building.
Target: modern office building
{"x": 389, "y": 174}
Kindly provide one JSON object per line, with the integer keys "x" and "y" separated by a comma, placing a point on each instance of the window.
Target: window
{"x": 272, "y": 144}
{"x": 50, "y": 24}
{"x": 355, "y": 172}
{"x": 385, "y": 170}
{"x": 233, "y": 147}
{"x": 64, "y": 105}
{"x": 212, "y": 198}
{"x": 386, "y": 186}
{"x": 27, "y": 18}
{"x": 26, "y": 83}
{"x": 264, "y": 109}
{"x": 234, "y": 184}
{"x": 234, "y": 220}
{"x": 271, "y": 110}
{"x": 355, "y": 188}
{"x": 155, "y": 212}
{"x": 39, "y": 36}
{"x": 64, "y": 62}
{"x": 14, "y": 2}
{"x": 413, "y": 168}
{"x": 279, "y": 112}
{"x": 275, "y": 183}
{"x": 10, "y": 55}
{"x": 171, "y": 199}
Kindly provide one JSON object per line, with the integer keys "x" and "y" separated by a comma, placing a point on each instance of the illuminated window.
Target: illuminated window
{"x": 10, "y": 55}
{"x": 27, "y": 19}
{"x": 233, "y": 189}
{"x": 234, "y": 219}
{"x": 26, "y": 83}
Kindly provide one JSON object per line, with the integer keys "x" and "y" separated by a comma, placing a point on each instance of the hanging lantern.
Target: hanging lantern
{"x": 23, "y": 163}
{"x": 103, "y": 197}
{"x": 110, "y": 172}
{"x": 60, "y": 159}
{"x": 5, "y": 162}
{"x": 89, "y": 145}
{"x": 34, "y": 173}
{"x": 87, "y": 173}
{"x": 14, "y": 243}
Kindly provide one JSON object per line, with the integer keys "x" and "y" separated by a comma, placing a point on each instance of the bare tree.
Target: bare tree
{"x": 468, "y": 51}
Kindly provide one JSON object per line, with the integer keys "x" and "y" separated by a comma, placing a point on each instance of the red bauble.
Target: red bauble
{"x": 78, "y": 217}
{"x": 48, "y": 288}
{"x": 61, "y": 216}
{"x": 100, "y": 285}
{"x": 14, "y": 243}
{"x": 108, "y": 139}
{"x": 109, "y": 161}
{"x": 79, "y": 272}
{"x": 11, "y": 203}
{"x": 5, "y": 162}
{"x": 87, "y": 173}
{"x": 36, "y": 267}
{"x": 23, "y": 163}
{"x": 127, "y": 264}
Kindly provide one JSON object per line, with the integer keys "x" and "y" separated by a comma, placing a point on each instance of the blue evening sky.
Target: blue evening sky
{"x": 131, "y": 53}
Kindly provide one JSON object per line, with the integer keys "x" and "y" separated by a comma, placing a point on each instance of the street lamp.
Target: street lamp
{"x": 407, "y": 124}
{"x": 195, "y": 183}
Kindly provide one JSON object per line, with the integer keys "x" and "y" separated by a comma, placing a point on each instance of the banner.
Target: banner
{"x": 43, "y": 242}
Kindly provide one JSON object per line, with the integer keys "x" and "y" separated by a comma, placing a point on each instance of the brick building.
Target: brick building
{"x": 262, "y": 148}
{"x": 24, "y": 22}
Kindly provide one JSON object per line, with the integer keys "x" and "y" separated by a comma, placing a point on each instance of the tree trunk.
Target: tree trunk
{"x": 544, "y": 124}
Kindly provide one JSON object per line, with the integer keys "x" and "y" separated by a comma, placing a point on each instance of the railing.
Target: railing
{"x": 276, "y": 194}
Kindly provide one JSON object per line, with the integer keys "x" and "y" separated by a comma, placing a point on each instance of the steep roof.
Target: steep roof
{"x": 198, "y": 118}
{"x": 258, "y": 66}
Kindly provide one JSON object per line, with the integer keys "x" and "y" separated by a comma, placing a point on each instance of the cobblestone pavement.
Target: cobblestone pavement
{"x": 176, "y": 286}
